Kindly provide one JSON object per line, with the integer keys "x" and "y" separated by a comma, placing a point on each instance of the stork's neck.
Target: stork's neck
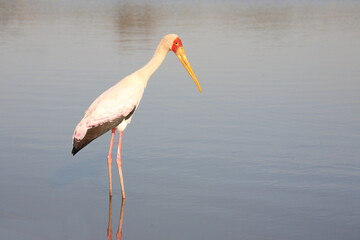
{"x": 154, "y": 62}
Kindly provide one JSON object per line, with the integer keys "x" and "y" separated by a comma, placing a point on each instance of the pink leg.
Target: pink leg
{"x": 109, "y": 230}
{"x": 118, "y": 162}
{"x": 109, "y": 158}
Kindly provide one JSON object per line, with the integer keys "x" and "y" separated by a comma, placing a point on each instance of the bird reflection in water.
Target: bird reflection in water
{"x": 119, "y": 231}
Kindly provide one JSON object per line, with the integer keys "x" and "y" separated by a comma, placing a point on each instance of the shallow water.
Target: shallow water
{"x": 269, "y": 150}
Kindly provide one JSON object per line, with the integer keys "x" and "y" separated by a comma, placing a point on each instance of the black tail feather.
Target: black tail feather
{"x": 75, "y": 150}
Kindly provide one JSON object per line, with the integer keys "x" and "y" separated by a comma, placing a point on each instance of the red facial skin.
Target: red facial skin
{"x": 176, "y": 45}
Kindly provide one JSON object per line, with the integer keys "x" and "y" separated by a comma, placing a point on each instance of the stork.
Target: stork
{"x": 114, "y": 108}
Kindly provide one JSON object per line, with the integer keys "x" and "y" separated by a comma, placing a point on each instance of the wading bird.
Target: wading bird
{"x": 115, "y": 107}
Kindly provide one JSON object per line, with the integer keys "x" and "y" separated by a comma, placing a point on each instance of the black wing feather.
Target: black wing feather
{"x": 97, "y": 131}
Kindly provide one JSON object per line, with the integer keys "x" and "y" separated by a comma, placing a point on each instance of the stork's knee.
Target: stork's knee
{"x": 118, "y": 161}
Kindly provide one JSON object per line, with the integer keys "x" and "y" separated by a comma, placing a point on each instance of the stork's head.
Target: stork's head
{"x": 175, "y": 45}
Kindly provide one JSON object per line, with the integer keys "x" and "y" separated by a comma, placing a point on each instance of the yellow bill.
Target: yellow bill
{"x": 183, "y": 59}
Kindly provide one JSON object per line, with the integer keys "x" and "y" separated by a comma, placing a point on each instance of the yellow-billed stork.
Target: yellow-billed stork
{"x": 116, "y": 106}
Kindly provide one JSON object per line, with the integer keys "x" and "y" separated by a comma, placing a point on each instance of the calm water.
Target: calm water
{"x": 269, "y": 150}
